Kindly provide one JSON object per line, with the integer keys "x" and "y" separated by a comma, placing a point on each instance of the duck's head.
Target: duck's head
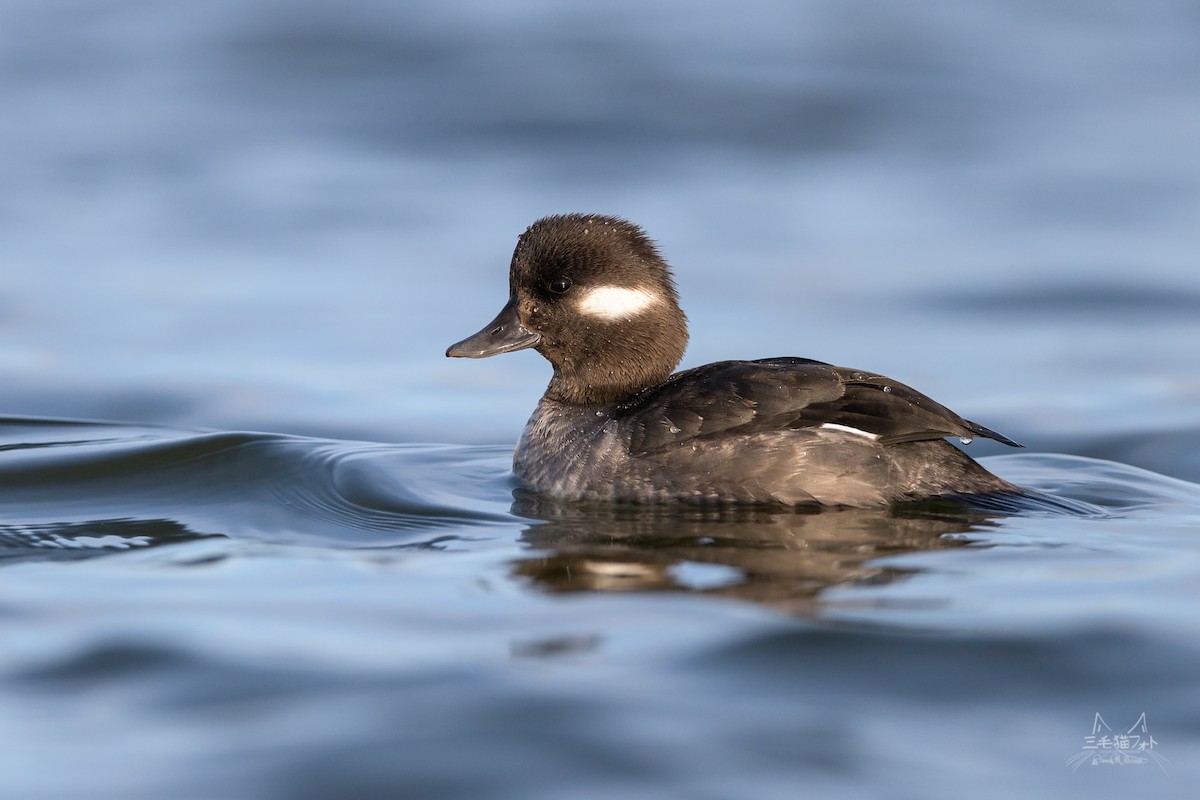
{"x": 593, "y": 295}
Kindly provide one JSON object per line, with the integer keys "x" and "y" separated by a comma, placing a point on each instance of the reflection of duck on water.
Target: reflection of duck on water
{"x": 772, "y": 556}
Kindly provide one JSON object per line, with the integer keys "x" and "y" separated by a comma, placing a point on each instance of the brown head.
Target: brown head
{"x": 593, "y": 295}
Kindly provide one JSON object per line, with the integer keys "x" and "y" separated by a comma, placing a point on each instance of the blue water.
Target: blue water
{"x": 294, "y": 566}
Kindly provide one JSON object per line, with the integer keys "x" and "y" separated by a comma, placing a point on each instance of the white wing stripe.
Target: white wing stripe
{"x": 833, "y": 426}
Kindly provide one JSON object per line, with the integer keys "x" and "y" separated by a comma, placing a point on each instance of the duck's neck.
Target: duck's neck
{"x": 597, "y": 387}
{"x": 619, "y": 361}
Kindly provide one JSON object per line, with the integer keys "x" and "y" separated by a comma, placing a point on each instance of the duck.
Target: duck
{"x": 595, "y": 297}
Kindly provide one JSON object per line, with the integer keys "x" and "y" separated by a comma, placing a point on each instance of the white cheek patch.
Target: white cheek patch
{"x": 616, "y": 302}
{"x": 833, "y": 426}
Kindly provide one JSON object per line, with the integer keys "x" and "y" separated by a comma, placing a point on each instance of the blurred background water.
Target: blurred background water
{"x": 269, "y": 216}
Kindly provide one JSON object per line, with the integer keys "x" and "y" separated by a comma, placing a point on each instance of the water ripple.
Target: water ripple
{"x": 72, "y": 489}
{"x": 80, "y": 486}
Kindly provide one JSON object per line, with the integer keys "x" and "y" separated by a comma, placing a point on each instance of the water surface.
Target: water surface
{"x": 264, "y": 615}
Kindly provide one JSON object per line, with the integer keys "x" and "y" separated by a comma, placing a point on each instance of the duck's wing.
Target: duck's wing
{"x": 777, "y": 394}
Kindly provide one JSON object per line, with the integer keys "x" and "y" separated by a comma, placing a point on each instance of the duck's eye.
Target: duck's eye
{"x": 560, "y": 285}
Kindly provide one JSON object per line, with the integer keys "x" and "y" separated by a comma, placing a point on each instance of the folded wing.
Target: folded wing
{"x": 777, "y": 394}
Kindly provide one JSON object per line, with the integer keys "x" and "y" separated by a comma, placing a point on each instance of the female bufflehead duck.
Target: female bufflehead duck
{"x": 595, "y": 298}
